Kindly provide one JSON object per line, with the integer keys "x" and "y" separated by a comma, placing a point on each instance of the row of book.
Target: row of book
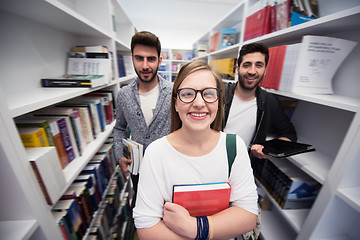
{"x": 125, "y": 65}
{"x": 87, "y": 66}
{"x": 93, "y": 203}
{"x": 90, "y": 67}
{"x": 277, "y": 15}
{"x": 69, "y": 126}
{"x": 306, "y": 67}
{"x": 289, "y": 186}
{"x": 175, "y": 67}
{"x": 224, "y": 38}
{"x": 226, "y": 67}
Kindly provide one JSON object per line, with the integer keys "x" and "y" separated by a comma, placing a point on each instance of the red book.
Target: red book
{"x": 203, "y": 199}
{"x": 280, "y": 57}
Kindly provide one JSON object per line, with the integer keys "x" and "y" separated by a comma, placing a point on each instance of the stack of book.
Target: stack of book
{"x": 277, "y": 15}
{"x": 89, "y": 209}
{"x": 200, "y": 49}
{"x": 306, "y": 67}
{"x": 87, "y": 66}
{"x": 290, "y": 187}
{"x": 69, "y": 126}
{"x": 224, "y": 38}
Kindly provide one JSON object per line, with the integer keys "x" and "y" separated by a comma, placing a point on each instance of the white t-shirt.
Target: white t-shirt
{"x": 242, "y": 119}
{"x": 163, "y": 166}
{"x": 148, "y": 102}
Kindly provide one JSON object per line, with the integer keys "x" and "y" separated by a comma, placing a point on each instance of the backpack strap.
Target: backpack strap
{"x": 230, "y": 149}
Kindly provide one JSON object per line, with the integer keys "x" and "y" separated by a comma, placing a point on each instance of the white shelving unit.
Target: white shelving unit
{"x": 329, "y": 122}
{"x": 173, "y": 59}
{"x": 34, "y": 44}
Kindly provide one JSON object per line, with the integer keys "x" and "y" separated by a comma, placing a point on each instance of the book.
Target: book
{"x": 226, "y": 67}
{"x": 202, "y": 199}
{"x": 96, "y": 111}
{"x": 75, "y": 122}
{"x": 89, "y": 64}
{"x": 87, "y": 81}
{"x": 90, "y": 183}
{"x": 101, "y": 174}
{"x": 107, "y": 150}
{"x": 280, "y": 148}
{"x": 88, "y": 49}
{"x": 227, "y": 37}
{"x": 121, "y": 65}
{"x": 103, "y": 107}
{"x": 290, "y": 187}
{"x": 105, "y": 163}
{"x": 282, "y": 12}
{"x": 62, "y": 224}
{"x": 84, "y": 195}
{"x": 258, "y": 23}
{"x": 289, "y": 66}
{"x": 85, "y": 118}
{"x": 58, "y": 142}
{"x": 33, "y": 137}
{"x": 274, "y": 69}
{"x": 79, "y": 193}
{"x": 215, "y": 42}
{"x": 70, "y": 208}
{"x": 134, "y": 151}
{"x": 48, "y": 172}
{"x": 319, "y": 58}
{"x": 66, "y": 132}
{"x": 29, "y": 121}
{"x": 94, "y": 171}
{"x": 297, "y": 19}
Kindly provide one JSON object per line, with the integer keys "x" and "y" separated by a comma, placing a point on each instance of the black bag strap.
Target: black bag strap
{"x": 231, "y": 149}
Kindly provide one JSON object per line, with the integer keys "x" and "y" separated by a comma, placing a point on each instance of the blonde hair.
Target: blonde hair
{"x": 185, "y": 71}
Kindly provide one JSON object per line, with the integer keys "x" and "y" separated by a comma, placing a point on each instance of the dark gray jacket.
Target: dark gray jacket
{"x": 270, "y": 115}
{"x": 129, "y": 115}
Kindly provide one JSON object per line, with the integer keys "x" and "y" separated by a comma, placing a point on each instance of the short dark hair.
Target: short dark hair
{"x": 146, "y": 38}
{"x": 252, "y": 48}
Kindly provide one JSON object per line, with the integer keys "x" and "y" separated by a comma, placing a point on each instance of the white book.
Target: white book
{"x": 132, "y": 153}
{"x": 288, "y": 70}
{"x": 47, "y": 168}
{"x": 318, "y": 61}
{"x": 90, "y": 66}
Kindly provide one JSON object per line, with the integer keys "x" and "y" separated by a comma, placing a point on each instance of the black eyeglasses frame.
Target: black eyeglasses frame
{"x": 218, "y": 92}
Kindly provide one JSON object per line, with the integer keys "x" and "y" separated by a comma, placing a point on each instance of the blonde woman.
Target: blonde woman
{"x": 194, "y": 153}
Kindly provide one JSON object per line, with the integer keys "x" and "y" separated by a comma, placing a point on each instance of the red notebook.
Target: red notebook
{"x": 202, "y": 199}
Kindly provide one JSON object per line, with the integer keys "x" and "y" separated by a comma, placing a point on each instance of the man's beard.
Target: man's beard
{"x": 149, "y": 80}
{"x": 247, "y": 87}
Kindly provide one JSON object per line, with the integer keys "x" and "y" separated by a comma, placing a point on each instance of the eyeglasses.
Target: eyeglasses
{"x": 188, "y": 95}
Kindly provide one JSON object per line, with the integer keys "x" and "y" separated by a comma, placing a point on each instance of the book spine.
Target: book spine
{"x": 41, "y": 183}
{"x": 86, "y": 121}
{"x": 66, "y": 139}
{"x": 65, "y": 83}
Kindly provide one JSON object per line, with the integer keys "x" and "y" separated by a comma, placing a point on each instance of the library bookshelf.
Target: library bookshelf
{"x": 331, "y": 123}
{"x": 39, "y": 34}
{"x": 172, "y": 61}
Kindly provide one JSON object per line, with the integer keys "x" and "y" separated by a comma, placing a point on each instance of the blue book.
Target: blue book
{"x": 90, "y": 185}
{"x": 101, "y": 173}
{"x": 297, "y": 18}
{"x": 92, "y": 169}
{"x": 227, "y": 37}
